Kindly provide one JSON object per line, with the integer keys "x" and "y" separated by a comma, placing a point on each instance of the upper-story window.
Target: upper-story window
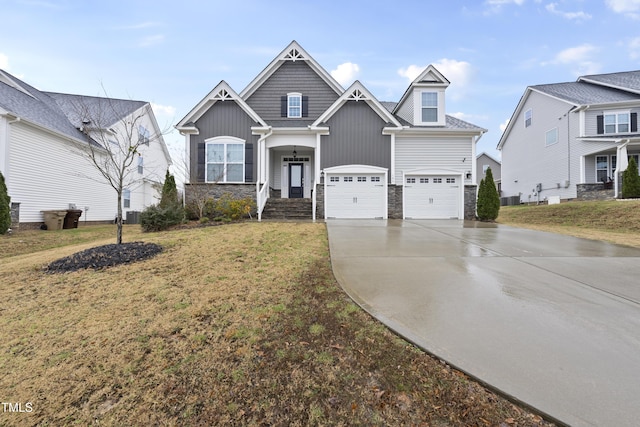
{"x": 294, "y": 105}
{"x": 143, "y": 135}
{"x": 140, "y": 165}
{"x": 429, "y": 107}
{"x": 528, "y": 115}
{"x": 225, "y": 159}
{"x": 616, "y": 122}
{"x": 551, "y": 137}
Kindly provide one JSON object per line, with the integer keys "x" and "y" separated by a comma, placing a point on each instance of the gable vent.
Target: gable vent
{"x": 223, "y": 95}
{"x": 357, "y": 95}
{"x": 294, "y": 55}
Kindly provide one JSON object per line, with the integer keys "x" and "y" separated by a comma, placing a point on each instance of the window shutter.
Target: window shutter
{"x": 283, "y": 106}
{"x": 600, "y": 125}
{"x": 305, "y": 106}
{"x": 634, "y": 122}
{"x": 201, "y": 163}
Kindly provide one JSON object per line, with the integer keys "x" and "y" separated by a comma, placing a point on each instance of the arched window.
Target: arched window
{"x": 225, "y": 159}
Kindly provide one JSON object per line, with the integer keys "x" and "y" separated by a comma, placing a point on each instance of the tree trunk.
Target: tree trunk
{"x": 119, "y": 220}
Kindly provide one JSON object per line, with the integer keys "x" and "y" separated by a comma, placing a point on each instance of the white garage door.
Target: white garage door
{"x": 432, "y": 197}
{"x": 355, "y": 195}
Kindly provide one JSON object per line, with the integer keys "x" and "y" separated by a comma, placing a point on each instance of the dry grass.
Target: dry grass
{"x": 242, "y": 324}
{"x": 614, "y": 221}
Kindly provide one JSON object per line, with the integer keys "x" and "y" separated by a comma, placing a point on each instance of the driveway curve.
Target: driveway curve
{"x": 550, "y": 320}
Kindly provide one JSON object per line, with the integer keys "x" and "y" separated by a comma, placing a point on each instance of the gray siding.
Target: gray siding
{"x": 292, "y": 77}
{"x": 356, "y": 138}
{"x": 590, "y": 120}
{"x": 224, "y": 118}
{"x": 495, "y": 168}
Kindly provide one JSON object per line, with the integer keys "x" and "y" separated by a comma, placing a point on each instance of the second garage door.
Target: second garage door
{"x": 432, "y": 196}
{"x": 355, "y": 195}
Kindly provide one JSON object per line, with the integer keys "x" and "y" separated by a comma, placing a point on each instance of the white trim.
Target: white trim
{"x": 524, "y": 118}
{"x": 546, "y": 138}
{"x": 298, "y": 96}
{"x": 435, "y": 172}
{"x": 224, "y": 140}
{"x": 358, "y": 169}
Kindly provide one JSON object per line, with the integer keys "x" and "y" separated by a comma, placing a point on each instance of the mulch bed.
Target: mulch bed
{"x": 105, "y": 256}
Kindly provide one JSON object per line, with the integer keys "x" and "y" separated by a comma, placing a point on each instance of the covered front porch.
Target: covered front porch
{"x": 288, "y": 168}
{"x": 602, "y": 170}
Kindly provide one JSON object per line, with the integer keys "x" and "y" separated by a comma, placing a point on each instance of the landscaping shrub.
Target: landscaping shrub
{"x": 488, "y": 205}
{"x": 169, "y": 195}
{"x": 631, "y": 181}
{"x": 156, "y": 218}
{"x": 5, "y": 207}
{"x": 229, "y": 207}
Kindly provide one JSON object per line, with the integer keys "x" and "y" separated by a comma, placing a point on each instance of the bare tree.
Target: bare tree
{"x": 199, "y": 193}
{"x": 115, "y": 132}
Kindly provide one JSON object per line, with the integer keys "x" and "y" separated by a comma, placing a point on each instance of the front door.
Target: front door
{"x": 296, "y": 190}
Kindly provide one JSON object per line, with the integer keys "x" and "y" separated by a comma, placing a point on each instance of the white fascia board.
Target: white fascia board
{"x": 516, "y": 113}
{"x": 611, "y": 105}
{"x": 434, "y": 132}
{"x": 156, "y": 127}
{"x": 484, "y": 153}
{"x": 599, "y": 83}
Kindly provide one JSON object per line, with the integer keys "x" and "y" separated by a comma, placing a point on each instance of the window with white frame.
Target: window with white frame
{"x": 140, "y": 165}
{"x": 411, "y": 180}
{"x": 294, "y": 105}
{"x": 143, "y": 135}
{"x": 617, "y": 122}
{"x": 484, "y": 169}
{"x": 347, "y": 179}
{"x": 429, "y": 106}
{"x": 551, "y": 137}
{"x": 334, "y": 179}
{"x": 602, "y": 168}
{"x": 528, "y": 116}
{"x": 126, "y": 198}
{"x": 375, "y": 179}
{"x": 225, "y": 160}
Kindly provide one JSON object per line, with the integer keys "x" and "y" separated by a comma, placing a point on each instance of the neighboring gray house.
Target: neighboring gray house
{"x": 572, "y": 140}
{"x": 485, "y": 161}
{"x": 41, "y": 155}
{"x": 295, "y": 133}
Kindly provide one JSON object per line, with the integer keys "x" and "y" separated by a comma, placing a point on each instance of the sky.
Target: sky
{"x": 172, "y": 53}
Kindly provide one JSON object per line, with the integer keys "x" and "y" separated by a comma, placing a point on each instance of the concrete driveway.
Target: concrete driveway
{"x": 550, "y": 320}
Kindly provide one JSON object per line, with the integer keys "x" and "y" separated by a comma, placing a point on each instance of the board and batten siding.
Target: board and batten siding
{"x": 433, "y": 153}
{"x": 528, "y": 161}
{"x": 356, "y": 138}
{"x": 292, "y": 77}
{"x": 224, "y": 118}
{"x": 49, "y": 173}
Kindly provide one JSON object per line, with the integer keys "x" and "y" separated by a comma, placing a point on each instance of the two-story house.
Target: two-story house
{"x": 296, "y": 133}
{"x": 43, "y": 141}
{"x": 566, "y": 140}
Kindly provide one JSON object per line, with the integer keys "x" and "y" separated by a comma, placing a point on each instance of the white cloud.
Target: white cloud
{"x": 504, "y": 125}
{"x": 459, "y": 73}
{"x": 578, "y": 16}
{"x": 346, "y": 73}
{"x": 159, "y": 109}
{"x": 4, "y": 61}
{"x": 630, "y": 8}
{"x": 411, "y": 72}
{"x": 579, "y": 57}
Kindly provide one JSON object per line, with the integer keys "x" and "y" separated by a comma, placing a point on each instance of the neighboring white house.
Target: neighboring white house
{"x": 572, "y": 140}
{"x": 41, "y": 153}
{"x": 484, "y": 162}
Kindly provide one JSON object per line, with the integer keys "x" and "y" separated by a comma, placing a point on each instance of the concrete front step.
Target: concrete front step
{"x": 287, "y": 209}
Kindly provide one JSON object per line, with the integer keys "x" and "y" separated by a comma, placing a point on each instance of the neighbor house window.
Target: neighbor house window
{"x": 602, "y": 168}
{"x": 143, "y": 135}
{"x": 126, "y": 198}
{"x": 617, "y": 122}
{"x": 225, "y": 160}
{"x": 429, "y": 107}
{"x": 484, "y": 169}
{"x": 551, "y": 137}
{"x": 294, "y": 105}
{"x": 140, "y": 165}
{"x": 527, "y": 118}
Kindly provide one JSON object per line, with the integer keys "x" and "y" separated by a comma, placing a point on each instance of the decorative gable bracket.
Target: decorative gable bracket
{"x": 294, "y": 55}
{"x": 223, "y": 95}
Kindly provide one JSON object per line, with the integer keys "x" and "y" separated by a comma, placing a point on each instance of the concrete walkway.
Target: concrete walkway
{"x": 550, "y": 320}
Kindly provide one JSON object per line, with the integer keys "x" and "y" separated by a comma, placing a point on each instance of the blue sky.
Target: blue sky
{"x": 173, "y": 53}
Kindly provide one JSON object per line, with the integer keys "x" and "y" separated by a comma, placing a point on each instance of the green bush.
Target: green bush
{"x": 5, "y": 207}
{"x": 169, "y": 194}
{"x": 631, "y": 181}
{"x": 229, "y": 207}
{"x": 488, "y": 205}
{"x": 156, "y": 218}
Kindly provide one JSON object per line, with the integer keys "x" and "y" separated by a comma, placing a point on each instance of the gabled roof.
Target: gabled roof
{"x": 105, "y": 111}
{"x": 221, "y": 93}
{"x": 293, "y": 52}
{"x": 430, "y": 77}
{"x": 28, "y": 103}
{"x": 451, "y": 122}
{"x": 357, "y": 92}
{"x": 489, "y": 156}
{"x": 627, "y": 80}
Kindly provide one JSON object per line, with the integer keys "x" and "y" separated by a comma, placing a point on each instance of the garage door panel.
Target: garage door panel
{"x": 432, "y": 197}
{"x": 355, "y": 196}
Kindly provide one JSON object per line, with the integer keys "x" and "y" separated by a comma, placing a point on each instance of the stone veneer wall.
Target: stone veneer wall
{"x": 470, "y": 194}
{"x": 594, "y": 191}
